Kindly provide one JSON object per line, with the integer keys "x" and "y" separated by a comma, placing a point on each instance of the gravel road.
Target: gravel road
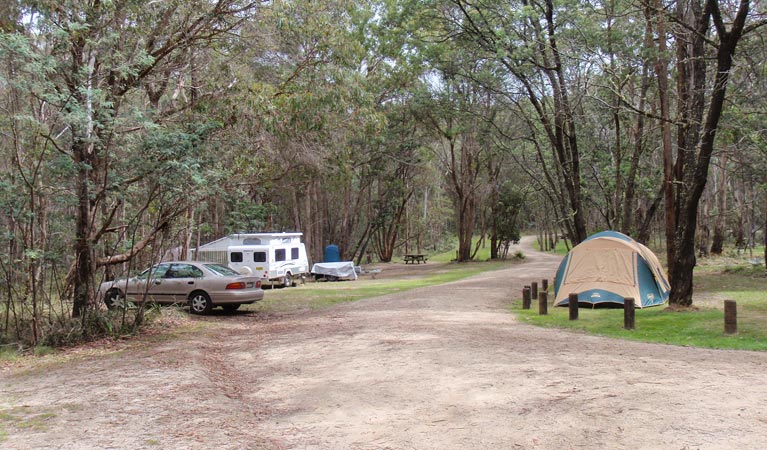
{"x": 444, "y": 367}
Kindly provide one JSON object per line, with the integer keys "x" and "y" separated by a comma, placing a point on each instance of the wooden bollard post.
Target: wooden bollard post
{"x": 628, "y": 313}
{"x": 730, "y": 317}
{"x": 572, "y": 300}
{"x": 534, "y": 289}
{"x": 545, "y": 284}
{"x": 526, "y": 297}
{"x": 543, "y": 303}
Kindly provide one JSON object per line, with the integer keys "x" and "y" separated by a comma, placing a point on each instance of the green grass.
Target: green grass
{"x": 23, "y": 417}
{"x": 446, "y": 256}
{"x": 8, "y": 353}
{"x": 483, "y": 254}
{"x": 700, "y": 326}
{"x": 559, "y": 249}
{"x": 317, "y": 295}
{"x": 738, "y": 277}
{"x": 42, "y": 350}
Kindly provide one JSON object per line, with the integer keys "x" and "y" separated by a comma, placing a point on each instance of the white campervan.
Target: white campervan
{"x": 274, "y": 257}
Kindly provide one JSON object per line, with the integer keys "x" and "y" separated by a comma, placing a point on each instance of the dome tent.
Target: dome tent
{"x": 607, "y": 267}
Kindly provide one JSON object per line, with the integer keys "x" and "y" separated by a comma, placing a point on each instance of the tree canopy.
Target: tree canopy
{"x": 136, "y": 129}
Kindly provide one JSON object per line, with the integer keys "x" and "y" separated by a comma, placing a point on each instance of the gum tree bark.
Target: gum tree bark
{"x": 698, "y": 123}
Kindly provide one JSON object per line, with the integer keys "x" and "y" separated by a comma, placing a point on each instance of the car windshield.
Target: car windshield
{"x": 220, "y": 270}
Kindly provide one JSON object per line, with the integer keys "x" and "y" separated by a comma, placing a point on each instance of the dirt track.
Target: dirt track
{"x": 445, "y": 367}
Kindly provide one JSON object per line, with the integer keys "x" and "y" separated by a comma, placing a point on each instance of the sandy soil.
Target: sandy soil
{"x": 444, "y": 367}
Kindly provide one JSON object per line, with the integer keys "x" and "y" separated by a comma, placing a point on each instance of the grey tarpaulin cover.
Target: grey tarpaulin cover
{"x": 343, "y": 269}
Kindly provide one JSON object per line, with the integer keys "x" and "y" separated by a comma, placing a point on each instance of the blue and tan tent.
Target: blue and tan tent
{"x": 606, "y": 268}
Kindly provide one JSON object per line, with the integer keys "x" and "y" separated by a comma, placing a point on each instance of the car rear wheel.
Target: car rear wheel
{"x": 199, "y": 303}
{"x": 114, "y": 299}
{"x": 231, "y": 307}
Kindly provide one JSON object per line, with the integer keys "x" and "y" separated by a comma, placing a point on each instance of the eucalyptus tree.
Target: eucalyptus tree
{"x": 506, "y": 218}
{"x": 705, "y": 35}
{"x": 455, "y": 114}
{"x": 311, "y": 92}
{"x": 536, "y": 43}
{"x": 528, "y": 40}
{"x": 110, "y": 78}
{"x": 617, "y": 121}
{"x": 741, "y": 194}
{"x": 326, "y": 98}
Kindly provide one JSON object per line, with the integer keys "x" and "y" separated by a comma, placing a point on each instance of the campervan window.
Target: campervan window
{"x": 251, "y": 241}
{"x": 279, "y": 254}
{"x": 294, "y": 253}
{"x": 236, "y": 257}
{"x": 259, "y": 256}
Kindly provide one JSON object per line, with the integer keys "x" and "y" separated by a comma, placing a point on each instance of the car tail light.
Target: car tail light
{"x": 258, "y": 284}
{"x": 237, "y": 285}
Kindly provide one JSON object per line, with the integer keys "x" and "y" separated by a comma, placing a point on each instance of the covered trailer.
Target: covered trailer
{"x": 334, "y": 271}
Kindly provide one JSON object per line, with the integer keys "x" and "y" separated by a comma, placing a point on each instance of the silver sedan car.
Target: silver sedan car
{"x": 203, "y": 285}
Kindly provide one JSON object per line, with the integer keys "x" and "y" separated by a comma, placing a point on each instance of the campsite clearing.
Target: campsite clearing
{"x": 431, "y": 368}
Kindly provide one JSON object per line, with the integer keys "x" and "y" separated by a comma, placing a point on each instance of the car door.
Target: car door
{"x": 147, "y": 285}
{"x": 179, "y": 281}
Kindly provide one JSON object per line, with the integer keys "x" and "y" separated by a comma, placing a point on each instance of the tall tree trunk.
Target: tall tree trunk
{"x": 566, "y": 131}
{"x": 627, "y": 223}
{"x": 693, "y": 165}
{"x": 84, "y": 266}
{"x": 704, "y": 225}
{"x": 558, "y": 119}
{"x": 654, "y": 11}
{"x": 465, "y": 227}
{"x": 189, "y": 222}
{"x": 717, "y": 244}
{"x": 764, "y": 229}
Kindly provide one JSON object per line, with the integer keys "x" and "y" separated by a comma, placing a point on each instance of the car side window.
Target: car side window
{"x": 195, "y": 272}
{"x": 155, "y": 272}
{"x": 183, "y": 271}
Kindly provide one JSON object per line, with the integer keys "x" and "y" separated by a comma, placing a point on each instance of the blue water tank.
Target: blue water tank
{"x": 332, "y": 254}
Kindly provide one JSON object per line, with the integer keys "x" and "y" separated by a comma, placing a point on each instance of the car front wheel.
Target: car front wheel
{"x": 199, "y": 303}
{"x": 114, "y": 299}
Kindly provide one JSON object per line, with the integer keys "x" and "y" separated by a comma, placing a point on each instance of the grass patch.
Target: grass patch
{"x": 701, "y": 326}
{"x": 23, "y": 418}
{"x": 42, "y": 350}
{"x": 9, "y": 353}
{"x": 697, "y": 328}
{"x": 559, "y": 249}
{"x": 483, "y": 253}
{"x": 317, "y": 295}
{"x": 739, "y": 277}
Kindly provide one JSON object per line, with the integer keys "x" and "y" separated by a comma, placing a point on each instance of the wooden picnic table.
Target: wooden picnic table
{"x": 415, "y": 259}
